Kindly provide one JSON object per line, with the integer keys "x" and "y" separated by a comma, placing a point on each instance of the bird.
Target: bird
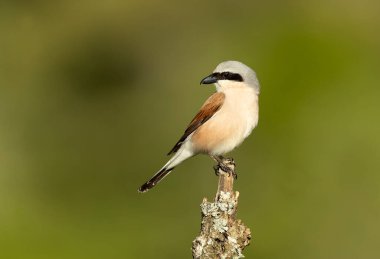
{"x": 226, "y": 118}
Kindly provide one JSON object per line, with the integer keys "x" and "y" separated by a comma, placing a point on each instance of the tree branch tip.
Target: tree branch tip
{"x": 222, "y": 234}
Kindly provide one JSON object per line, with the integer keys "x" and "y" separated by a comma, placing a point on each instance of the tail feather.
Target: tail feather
{"x": 155, "y": 179}
{"x": 182, "y": 154}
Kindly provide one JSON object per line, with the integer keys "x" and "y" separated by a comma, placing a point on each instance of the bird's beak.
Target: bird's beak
{"x": 209, "y": 79}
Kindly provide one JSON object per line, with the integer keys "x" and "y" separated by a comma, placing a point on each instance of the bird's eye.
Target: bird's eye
{"x": 231, "y": 76}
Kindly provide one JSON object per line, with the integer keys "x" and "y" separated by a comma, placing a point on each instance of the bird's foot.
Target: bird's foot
{"x": 227, "y": 166}
{"x": 229, "y": 161}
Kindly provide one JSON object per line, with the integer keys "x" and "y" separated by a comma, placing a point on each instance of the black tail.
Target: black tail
{"x": 155, "y": 179}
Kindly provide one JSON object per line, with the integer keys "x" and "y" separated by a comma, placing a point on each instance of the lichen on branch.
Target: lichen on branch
{"x": 222, "y": 235}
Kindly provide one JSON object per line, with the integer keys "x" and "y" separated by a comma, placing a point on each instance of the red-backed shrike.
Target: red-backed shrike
{"x": 223, "y": 122}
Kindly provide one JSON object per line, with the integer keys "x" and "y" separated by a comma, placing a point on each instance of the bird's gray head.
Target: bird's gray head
{"x": 232, "y": 73}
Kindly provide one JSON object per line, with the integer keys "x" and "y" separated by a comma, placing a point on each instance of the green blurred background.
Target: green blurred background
{"x": 93, "y": 94}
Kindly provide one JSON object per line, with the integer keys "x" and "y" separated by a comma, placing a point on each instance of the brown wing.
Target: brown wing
{"x": 209, "y": 108}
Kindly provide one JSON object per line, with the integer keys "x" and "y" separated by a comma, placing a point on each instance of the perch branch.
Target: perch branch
{"x": 222, "y": 235}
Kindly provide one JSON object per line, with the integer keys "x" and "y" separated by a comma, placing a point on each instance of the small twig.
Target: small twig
{"x": 222, "y": 235}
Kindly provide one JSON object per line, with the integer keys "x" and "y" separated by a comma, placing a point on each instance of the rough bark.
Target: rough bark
{"x": 222, "y": 235}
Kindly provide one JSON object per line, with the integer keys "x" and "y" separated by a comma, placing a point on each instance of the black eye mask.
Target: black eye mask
{"x": 230, "y": 76}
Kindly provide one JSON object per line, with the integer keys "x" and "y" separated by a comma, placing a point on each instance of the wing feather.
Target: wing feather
{"x": 208, "y": 109}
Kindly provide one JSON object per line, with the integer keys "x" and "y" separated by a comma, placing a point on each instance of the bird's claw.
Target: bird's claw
{"x": 225, "y": 168}
{"x": 216, "y": 170}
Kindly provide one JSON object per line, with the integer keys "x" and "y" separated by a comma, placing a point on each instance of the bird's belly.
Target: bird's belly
{"x": 223, "y": 132}
{"x": 216, "y": 138}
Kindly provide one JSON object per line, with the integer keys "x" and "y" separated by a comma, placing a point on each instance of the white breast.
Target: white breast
{"x": 237, "y": 118}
